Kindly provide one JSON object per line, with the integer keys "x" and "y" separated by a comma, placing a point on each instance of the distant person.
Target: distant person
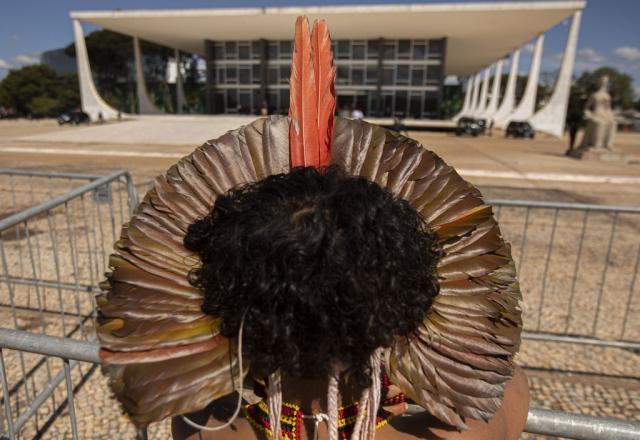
{"x": 398, "y": 126}
{"x": 491, "y": 128}
{"x": 574, "y": 122}
{"x": 357, "y": 114}
{"x": 100, "y": 118}
{"x": 264, "y": 109}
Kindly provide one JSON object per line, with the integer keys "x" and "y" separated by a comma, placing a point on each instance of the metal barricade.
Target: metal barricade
{"x": 578, "y": 270}
{"x": 577, "y": 266}
{"x": 55, "y": 239}
{"x": 539, "y": 421}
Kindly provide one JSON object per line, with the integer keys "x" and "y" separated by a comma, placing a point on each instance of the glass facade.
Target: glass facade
{"x": 382, "y": 78}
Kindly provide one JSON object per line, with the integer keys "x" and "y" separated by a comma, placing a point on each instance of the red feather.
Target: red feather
{"x": 325, "y": 75}
{"x": 311, "y": 96}
{"x": 303, "y": 107}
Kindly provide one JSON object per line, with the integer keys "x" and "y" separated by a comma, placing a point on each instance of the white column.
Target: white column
{"x": 482, "y": 104}
{"x": 467, "y": 100}
{"x": 180, "y": 101}
{"x": 551, "y": 118}
{"x": 509, "y": 99}
{"x": 145, "y": 106}
{"x": 92, "y": 103}
{"x": 475, "y": 97}
{"x": 527, "y": 104}
{"x": 495, "y": 94}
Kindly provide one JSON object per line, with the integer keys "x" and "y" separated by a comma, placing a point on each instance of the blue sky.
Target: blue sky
{"x": 609, "y": 34}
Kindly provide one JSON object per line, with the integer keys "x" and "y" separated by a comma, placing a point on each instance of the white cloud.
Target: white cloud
{"x": 27, "y": 59}
{"x": 590, "y": 56}
{"x": 628, "y": 53}
{"x": 4, "y": 64}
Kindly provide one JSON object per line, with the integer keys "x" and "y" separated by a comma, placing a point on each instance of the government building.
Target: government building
{"x": 391, "y": 60}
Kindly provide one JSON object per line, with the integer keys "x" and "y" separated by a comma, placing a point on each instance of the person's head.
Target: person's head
{"x": 327, "y": 266}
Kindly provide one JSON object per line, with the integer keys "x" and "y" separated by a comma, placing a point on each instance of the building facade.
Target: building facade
{"x": 391, "y": 60}
{"x": 381, "y": 77}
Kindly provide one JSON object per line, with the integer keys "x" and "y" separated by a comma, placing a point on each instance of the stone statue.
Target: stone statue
{"x": 601, "y": 122}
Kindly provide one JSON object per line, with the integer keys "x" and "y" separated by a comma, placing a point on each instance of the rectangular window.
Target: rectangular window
{"x": 344, "y": 52}
{"x": 256, "y": 50}
{"x": 404, "y": 47}
{"x": 389, "y": 50}
{"x": 219, "y": 103}
{"x": 357, "y": 76}
{"x": 232, "y": 100}
{"x": 272, "y": 75}
{"x": 402, "y": 74}
{"x": 372, "y": 75}
{"x": 415, "y": 106}
{"x": 244, "y": 51}
{"x": 419, "y": 50}
{"x": 387, "y": 76}
{"x": 232, "y": 74}
{"x": 434, "y": 74}
{"x": 272, "y": 50}
{"x": 244, "y": 102}
{"x": 401, "y": 103}
{"x": 358, "y": 52}
{"x": 342, "y": 75}
{"x": 388, "y": 105}
{"x": 218, "y": 51}
{"x": 284, "y": 101}
{"x": 220, "y": 76}
{"x": 372, "y": 48}
{"x": 256, "y": 74}
{"x": 285, "y": 50}
{"x": 417, "y": 76}
{"x": 285, "y": 73}
{"x": 436, "y": 48}
{"x": 245, "y": 75}
{"x": 431, "y": 104}
{"x": 230, "y": 50}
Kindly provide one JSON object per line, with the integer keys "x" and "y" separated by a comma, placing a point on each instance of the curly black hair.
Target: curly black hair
{"x": 328, "y": 266}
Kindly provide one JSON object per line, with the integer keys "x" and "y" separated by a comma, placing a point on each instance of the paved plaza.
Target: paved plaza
{"x": 569, "y": 377}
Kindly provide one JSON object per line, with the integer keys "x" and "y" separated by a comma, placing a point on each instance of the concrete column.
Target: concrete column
{"x": 475, "y": 97}
{"x": 91, "y": 102}
{"x": 145, "y": 106}
{"x": 482, "y": 104}
{"x": 527, "y": 104}
{"x": 509, "y": 99}
{"x": 551, "y": 118}
{"x": 180, "y": 100}
{"x": 492, "y": 107}
{"x": 467, "y": 101}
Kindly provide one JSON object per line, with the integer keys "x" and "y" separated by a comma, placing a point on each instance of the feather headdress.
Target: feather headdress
{"x": 165, "y": 357}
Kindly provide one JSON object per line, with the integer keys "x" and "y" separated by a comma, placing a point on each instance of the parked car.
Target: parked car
{"x": 482, "y": 123}
{"x": 74, "y": 117}
{"x": 468, "y": 126}
{"x": 520, "y": 129}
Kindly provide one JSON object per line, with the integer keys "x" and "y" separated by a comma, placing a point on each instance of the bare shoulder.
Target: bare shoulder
{"x": 506, "y": 424}
{"x": 216, "y": 414}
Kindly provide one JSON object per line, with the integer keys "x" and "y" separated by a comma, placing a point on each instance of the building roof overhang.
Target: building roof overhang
{"x": 478, "y": 34}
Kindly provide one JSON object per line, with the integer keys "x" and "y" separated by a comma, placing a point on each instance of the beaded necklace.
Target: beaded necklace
{"x": 291, "y": 417}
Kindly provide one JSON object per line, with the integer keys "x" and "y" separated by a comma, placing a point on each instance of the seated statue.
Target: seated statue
{"x": 601, "y": 123}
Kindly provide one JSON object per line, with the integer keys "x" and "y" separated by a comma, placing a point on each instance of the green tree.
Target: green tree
{"x": 620, "y": 86}
{"x": 38, "y": 89}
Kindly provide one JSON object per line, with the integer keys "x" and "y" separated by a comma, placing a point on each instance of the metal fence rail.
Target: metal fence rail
{"x": 55, "y": 239}
{"x": 539, "y": 421}
{"x": 578, "y": 269}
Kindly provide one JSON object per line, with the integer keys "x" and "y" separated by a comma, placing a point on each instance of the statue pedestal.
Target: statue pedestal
{"x": 601, "y": 154}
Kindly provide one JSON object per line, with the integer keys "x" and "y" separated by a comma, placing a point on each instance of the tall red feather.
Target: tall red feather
{"x": 303, "y": 107}
{"x": 325, "y": 75}
{"x": 311, "y": 96}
